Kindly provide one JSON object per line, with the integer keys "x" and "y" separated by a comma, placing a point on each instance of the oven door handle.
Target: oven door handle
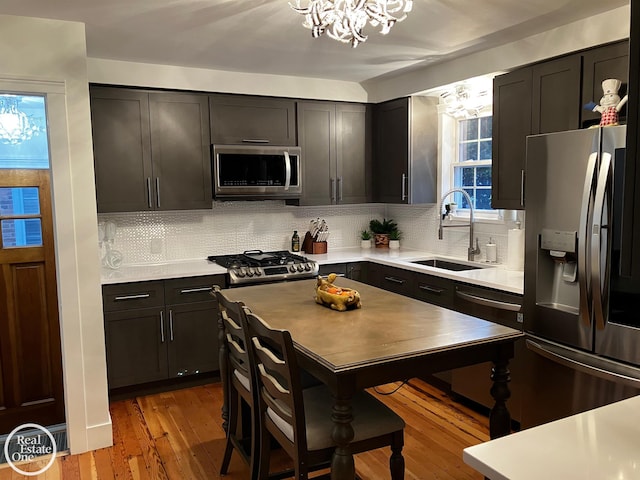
{"x": 287, "y": 169}
{"x": 587, "y": 363}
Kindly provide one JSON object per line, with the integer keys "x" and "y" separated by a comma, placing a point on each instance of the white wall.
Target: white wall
{"x": 54, "y": 53}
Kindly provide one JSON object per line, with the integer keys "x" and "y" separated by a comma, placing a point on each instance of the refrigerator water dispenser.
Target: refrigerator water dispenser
{"x": 557, "y": 271}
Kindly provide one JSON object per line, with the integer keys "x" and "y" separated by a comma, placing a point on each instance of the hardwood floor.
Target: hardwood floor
{"x": 178, "y": 436}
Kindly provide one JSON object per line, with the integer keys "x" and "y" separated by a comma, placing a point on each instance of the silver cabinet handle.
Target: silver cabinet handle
{"x": 596, "y": 366}
{"x": 429, "y": 289}
{"x": 332, "y": 187}
{"x": 404, "y": 189}
{"x": 132, "y": 297}
{"x": 254, "y": 140}
{"x": 195, "y": 290}
{"x": 395, "y": 280}
{"x": 339, "y": 189}
{"x": 158, "y": 192}
{"x": 149, "y": 200}
{"x": 171, "y": 325}
{"x": 161, "y": 326}
{"x": 522, "y": 188}
{"x": 488, "y": 302}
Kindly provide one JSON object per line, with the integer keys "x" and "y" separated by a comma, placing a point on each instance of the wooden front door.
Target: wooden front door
{"x": 31, "y": 387}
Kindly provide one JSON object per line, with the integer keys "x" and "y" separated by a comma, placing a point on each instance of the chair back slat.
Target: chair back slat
{"x": 278, "y": 377}
{"x": 232, "y": 318}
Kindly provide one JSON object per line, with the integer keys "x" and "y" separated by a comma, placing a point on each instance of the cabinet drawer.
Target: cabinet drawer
{"x": 127, "y": 296}
{"x": 493, "y": 305}
{"x": 436, "y": 290}
{"x": 192, "y": 289}
{"x": 396, "y": 280}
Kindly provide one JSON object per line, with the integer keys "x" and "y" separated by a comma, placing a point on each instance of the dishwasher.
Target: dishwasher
{"x": 474, "y": 382}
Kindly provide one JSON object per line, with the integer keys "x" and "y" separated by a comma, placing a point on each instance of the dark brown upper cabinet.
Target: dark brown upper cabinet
{"x": 336, "y": 150}
{"x": 405, "y": 150}
{"x": 151, "y": 150}
{"x": 543, "y": 98}
{"x": 251, "y": 120}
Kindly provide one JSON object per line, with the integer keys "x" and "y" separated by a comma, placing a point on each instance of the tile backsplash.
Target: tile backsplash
{"x": 231, "y": 227}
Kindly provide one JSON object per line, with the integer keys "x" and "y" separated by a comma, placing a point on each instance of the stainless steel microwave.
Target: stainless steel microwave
{"x": 255, "y": 172}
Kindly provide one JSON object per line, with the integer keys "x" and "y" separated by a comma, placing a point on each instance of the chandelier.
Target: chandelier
{"x": 344, "y": 20}
{"x": 15, "y": 125}
{"x": 465, "y": 101}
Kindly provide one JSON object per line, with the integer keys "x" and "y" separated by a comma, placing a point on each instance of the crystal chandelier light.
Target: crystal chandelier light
{"x": 15, "y": 125}
{"x": 344, "y": 20}
{"x": 465, "y": 102}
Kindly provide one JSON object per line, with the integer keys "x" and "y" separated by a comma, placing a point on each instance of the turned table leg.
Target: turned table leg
{"x": 500, "y": 418}
{"x": 342, "y": 463}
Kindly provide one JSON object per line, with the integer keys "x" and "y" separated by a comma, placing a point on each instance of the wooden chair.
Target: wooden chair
{"x": 239, "y": 388}
{"x": 300, "y": 420}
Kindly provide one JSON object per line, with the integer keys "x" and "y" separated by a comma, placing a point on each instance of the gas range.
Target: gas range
{"x": 256, "y": 266}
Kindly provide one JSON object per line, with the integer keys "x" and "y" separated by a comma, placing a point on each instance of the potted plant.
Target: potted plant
{"x": 394, "y": 239}
{"x": 365, "y": 239}
{"x": 381, "y": 231}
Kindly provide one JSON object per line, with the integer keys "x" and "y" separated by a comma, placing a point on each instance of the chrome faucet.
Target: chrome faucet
{"x": 471, "y": 251}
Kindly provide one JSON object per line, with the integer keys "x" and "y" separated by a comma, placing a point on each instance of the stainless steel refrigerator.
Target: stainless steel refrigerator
{"x": 581, "y": 307}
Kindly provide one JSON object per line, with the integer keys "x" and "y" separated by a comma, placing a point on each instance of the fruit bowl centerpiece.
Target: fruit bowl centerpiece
{"x": 334, "y": 297}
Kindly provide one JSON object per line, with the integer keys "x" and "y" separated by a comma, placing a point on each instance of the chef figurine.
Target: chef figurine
{"x": 610, "y": 103}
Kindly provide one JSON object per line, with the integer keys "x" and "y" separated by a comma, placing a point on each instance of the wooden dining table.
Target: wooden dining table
{"x": 390, "y": 338}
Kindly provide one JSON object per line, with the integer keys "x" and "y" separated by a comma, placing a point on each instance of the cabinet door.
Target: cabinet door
{"x": 136, "y": 344}
{"x": 192, "y": 336}
{"x": 556, "y": 95}
{"x": 239, "y": 119}
{"x": 511, "y": 125}
{"x": 610, "y": 61}
{"x": 353, "y": 152}
{"x": 316, "y": 134}
{"x": 391, "y": 151}
{"x": 121, "y": 149}
{"x": 180, "y": 150}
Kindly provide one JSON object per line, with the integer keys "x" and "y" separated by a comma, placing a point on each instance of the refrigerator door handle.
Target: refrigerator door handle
{"x": 599, "y": 289}
{"x": 587, "y": 363}
{"x": 583, "y": 240}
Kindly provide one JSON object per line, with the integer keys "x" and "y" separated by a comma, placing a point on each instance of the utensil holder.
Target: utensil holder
{"x": 318, "y": 247}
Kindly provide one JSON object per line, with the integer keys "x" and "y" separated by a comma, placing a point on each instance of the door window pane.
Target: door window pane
{"x": 19, "y": 201}
{"x": 23, "y": 232}
{"x": 23, "y": 131}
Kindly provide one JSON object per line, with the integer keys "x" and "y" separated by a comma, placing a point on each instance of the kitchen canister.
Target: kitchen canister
{"x": 515, "y": 249}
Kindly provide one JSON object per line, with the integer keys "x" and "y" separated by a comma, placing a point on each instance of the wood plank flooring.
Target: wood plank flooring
{"x": 178, "y": 435}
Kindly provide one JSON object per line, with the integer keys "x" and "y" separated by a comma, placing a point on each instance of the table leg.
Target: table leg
{"x": 500, "y": 418}
{"x": 342, "y": 464}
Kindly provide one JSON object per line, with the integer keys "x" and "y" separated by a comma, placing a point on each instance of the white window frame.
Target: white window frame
{"x": 448, "y": 144}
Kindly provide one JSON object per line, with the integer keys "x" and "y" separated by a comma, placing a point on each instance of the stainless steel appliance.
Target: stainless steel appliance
{"x": 256, "y": 171}
{"x": 583, "y": 334}
{"x": 256, "y": 266}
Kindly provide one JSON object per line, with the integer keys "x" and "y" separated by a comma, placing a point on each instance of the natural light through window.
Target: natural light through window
{"x": 472, "y": 168}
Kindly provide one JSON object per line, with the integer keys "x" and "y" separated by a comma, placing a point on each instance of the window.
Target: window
{"x": 471, "y": 169}
{"x": 20, "y": 222}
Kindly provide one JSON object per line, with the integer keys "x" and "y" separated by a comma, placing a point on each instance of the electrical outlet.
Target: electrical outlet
{"x": 156, "y": 245}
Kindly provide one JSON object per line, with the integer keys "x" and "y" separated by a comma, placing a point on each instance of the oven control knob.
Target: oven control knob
{"x": 307, "y": 267}
{"x": 257, "y": 272}
{"x": 249, "y": 272}
{"x": 292, "y": 269}
{"x": 300, "y": 268}
{"x": 240, "y": 272}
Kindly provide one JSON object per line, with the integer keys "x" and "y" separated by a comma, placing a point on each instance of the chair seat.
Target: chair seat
{"x": 371, "y": 418}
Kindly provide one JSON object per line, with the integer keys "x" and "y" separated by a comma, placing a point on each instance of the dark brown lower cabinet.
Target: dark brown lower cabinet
{"x": 149, "y": 340}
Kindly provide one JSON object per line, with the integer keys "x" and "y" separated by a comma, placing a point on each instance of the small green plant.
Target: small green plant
{"x": 395, "y": 235}
{"x": 384, "y": 226}
{"x": 365, "y": 235}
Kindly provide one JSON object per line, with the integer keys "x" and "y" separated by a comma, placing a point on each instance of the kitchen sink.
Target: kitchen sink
{"x": 447, "y": 264}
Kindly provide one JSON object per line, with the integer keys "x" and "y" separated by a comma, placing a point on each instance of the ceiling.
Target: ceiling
{"x": 266, "y": 36}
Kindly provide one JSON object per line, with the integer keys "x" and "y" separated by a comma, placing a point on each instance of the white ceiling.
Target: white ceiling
{"x": 266, "y": 36}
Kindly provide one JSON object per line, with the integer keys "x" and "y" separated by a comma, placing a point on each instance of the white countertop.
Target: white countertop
{"x": 601, "y": 444}
{"x": 494, "y": 276}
